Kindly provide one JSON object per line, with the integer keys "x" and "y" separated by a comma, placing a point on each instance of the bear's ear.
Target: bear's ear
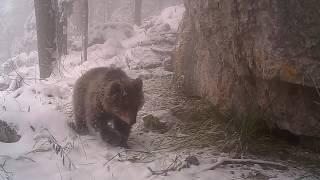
{"x": 115, "y": 88}
{"x": 138, "y": 84}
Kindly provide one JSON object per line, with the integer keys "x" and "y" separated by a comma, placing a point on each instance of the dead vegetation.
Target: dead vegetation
{"x": 45, "y": 141}
{"x": 202, "y": 127}
{"x": 5, "y": 174}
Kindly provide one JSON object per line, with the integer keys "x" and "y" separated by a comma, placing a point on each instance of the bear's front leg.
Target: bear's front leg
{"x": 112, "y": 136}
{"x": 124, "y": 129}
{"x": 99, "y": 122}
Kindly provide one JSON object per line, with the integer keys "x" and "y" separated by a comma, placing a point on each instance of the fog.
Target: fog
{"x": 16, "y": 19}
{"x": 159, "y": 89}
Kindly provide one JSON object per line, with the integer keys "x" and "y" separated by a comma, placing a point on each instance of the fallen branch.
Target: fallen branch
{"x": 118, "y": 154}
{"x": 126, "y": 150}
{"x": 22, "y": 79}
{"x": 224, "y": 161}
{"x": 157, "y": 173}
{"x": 165, "y": 171}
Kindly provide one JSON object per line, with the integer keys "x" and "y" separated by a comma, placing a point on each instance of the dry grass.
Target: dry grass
{"x": 200, "y": 125}
{"x": 45, "y": 142}
{"x": 196, "y": 128}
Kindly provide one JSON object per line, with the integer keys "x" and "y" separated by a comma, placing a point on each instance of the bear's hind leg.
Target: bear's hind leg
{"x": 79, "y": 109}
{"x": 81, "y": 130}
{"x": 79, "y": 125}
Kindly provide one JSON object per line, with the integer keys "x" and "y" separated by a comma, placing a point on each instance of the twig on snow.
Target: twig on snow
{"x": 22, "y": 79}
{"x": 118, "y": 154}
{"x": 165, "y": 171}
{"x": 126, "y": 150}
{"x": 62, "y": 151}
{"x": 59, "y": 171}
{"x": 224, "y": 161}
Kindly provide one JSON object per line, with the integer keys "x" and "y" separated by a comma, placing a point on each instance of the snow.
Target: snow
{"x": 171, "y": 16}
{"x": 6, "y": 7}
{"x": 40, "y": 111}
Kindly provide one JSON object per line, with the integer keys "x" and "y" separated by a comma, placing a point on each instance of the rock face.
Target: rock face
{"x": 248, "y": 55}
{"x": 7, "y": 134}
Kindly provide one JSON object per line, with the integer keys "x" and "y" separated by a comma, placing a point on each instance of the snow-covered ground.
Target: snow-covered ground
{"x": 49, "y": 149}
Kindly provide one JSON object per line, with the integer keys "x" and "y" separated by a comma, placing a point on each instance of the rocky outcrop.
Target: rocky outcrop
{"x": 7, "y": 133}
{"x": 261, "y": 56}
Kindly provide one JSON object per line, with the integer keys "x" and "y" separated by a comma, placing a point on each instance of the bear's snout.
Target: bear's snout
{"x": 129, "y": 117}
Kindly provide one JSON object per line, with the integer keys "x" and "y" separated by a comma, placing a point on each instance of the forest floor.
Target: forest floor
{"x": 175, "y": 137}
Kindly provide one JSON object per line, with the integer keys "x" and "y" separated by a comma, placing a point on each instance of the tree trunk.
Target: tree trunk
{"x": 137, "y": 12}
{"x": 61, "y": 27}
{"x": 45, "y": 21}
{"x": 85, "y": 21}
{"x": 160, "y": 5}
{"x": 64, "y": 43}
{"x": 109, "y": 10}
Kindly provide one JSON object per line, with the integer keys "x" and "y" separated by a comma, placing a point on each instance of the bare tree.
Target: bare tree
{"x": 62, "y": 13}
{"x": 46, "y": 36}
{"x": 160, "y": 5}
{"x": 85, "y": 23}
{"x": 137, "y": 12}
{"x": 108, "y": 7}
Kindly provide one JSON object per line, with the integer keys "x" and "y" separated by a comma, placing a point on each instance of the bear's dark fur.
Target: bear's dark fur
{"x": 104, "y": 96}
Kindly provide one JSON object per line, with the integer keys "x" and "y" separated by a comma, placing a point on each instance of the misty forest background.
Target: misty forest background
{"x": 68, "y": 24}
{"x": 231, "y": 88}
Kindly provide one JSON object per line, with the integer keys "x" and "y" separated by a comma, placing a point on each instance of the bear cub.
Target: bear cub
{"x": 106, "y": 101}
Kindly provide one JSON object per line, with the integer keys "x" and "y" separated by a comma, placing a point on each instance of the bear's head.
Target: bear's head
{"x": 124, "y": 98}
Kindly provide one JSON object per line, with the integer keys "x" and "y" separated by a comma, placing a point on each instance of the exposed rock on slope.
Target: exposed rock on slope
{"x": 255, "y": 56}
{"x": 8, "y": 134}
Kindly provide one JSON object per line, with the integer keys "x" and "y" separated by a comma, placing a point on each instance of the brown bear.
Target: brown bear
{"x": 103, "y": 97}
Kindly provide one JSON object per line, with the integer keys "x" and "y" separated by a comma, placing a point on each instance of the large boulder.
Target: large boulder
{"x": 261, "y": 56}
{"x": 7, "y": 133}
